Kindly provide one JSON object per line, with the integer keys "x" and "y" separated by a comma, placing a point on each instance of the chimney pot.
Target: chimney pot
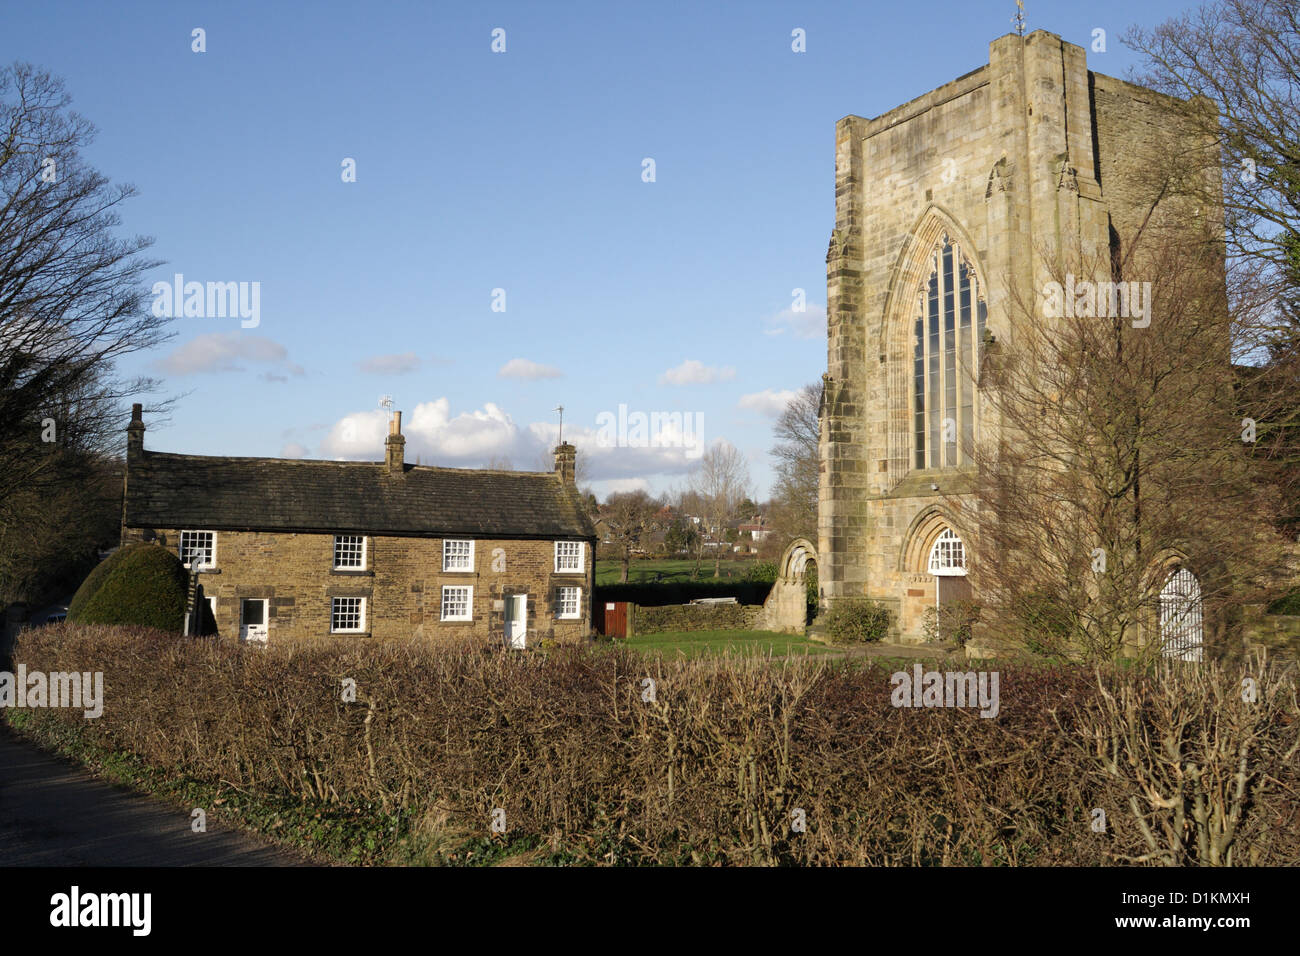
{"x": 135, "y": 433}
{"x": 566, "y": 463}
{"x": 395, "y": 447}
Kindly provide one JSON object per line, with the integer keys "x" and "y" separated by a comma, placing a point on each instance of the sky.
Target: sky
{"x": 623, "y": 209}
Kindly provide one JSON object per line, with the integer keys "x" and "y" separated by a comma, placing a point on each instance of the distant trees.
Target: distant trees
{"x": 797, "y": 465}
{"x": 682, "y": 537}
{"x": 72, "y": 302}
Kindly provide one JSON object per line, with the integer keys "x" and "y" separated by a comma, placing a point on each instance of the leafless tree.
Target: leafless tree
{"x": 1236, "y": 63}
{"x": 794, "y": 495}
{"x": 72, "y": 302}
{"x": 72, "y": 298}
{"x": 722, "y": 482}
{"x": 1112, "y": 448}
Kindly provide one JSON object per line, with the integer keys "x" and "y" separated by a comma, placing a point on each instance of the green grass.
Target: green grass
{"x": 670, "y": 570}
{"x": 713, "y": 643}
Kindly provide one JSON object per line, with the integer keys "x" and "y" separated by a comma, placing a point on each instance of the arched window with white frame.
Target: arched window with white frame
{"x": 948, "y": 555}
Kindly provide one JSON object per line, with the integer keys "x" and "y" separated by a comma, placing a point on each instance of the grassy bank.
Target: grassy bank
{"x": 693, "y": 644}
{"x": 671, "y": 571}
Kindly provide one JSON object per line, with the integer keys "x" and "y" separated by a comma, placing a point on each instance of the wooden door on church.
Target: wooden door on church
{"x": 953, "y": 588}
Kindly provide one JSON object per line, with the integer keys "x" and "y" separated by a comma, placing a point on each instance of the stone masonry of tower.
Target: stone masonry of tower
{"x": 1031, "y": 148}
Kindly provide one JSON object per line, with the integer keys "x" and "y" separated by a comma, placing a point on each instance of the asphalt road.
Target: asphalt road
{"x": 55, "y": 814}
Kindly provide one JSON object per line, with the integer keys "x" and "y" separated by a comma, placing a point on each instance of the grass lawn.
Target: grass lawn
{"x": 670, "y": 570}
{"x": 710, "y": 643}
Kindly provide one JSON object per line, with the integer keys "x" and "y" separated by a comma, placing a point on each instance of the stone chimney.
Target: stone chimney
{"x": 395, "y": 447}
{"x": 566, "y": 463}
{"x": 135, "y": 434}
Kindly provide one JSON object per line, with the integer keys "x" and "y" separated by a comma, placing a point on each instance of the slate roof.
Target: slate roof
{"x": 276, "y": 494}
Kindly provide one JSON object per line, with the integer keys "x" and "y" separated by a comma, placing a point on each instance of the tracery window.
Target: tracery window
{"x": 946, "y": 337}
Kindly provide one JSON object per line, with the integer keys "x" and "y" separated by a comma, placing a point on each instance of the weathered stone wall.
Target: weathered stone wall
{"x": 695, "y": 617}
{"x": 402, "y": 582}
{"x": 1020, "y": 155}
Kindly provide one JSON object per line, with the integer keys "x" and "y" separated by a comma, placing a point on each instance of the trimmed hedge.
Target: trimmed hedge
{"x": 89, "y": 586}
{"x": 142, "y": 585}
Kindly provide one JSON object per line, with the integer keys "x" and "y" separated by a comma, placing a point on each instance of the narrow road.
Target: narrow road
{"x": 55, "y": 814}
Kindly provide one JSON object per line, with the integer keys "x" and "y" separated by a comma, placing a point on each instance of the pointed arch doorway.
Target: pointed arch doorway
{"x": 947, "y": 563}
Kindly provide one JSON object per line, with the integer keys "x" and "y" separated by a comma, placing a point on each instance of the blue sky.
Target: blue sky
{"x": 519, "y": 171}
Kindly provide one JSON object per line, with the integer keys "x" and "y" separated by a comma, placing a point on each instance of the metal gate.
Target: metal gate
{"x": 1181, "y": 628}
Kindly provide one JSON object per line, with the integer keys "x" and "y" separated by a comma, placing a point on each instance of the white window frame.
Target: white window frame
{"x": 451, "y": 570}
{"x": 577, "y": 603}
{"x": 365, "y": 547}
{"x": 180, "y": 550}
{"x": 469, "y": 602}
{"x": 582, "y": 557}
{"x": 945, "y": 546}
{"x": 361, "y": 612}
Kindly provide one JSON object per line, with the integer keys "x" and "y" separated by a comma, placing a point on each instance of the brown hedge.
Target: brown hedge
{"x": 714, "y": 769}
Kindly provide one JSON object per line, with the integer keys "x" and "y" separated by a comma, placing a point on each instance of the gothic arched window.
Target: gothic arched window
{"x": 950, "y": 317}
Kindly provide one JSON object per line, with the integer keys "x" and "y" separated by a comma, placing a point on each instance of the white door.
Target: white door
{"x": 516, "y": 620}
{"x": 252, "y": 620}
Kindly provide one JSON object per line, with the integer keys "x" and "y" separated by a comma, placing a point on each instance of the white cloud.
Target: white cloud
{"x": 613, "y": 486}
{"x": 293, "y": 450}
{"x": 770, "y": 402}
{"x": 224, "y": 351}
{"x": 436, "y": 436}
{"x": 400, "y": 364}
{"x": 526, "y": 369}
{"x": 808, "y": 324}
{"x": 692, "y": 372}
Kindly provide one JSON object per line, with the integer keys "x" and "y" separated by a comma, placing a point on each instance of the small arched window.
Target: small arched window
{"x": 946, "y": 337}
{"x": 948, "y": 555}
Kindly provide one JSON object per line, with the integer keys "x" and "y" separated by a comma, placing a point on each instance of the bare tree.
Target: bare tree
{"x": 1117, "y": 454}
{"x": 72, "y": 298}
{"x": 722, "y": 481}
{"x": 1237, "y": 65}
{"x": 630, "y": 517}
{"x": 794, "y": 495}
{"x": 72, "y": 302}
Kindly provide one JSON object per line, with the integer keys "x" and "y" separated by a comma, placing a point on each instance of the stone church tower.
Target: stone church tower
{"x": 941, "y": 207}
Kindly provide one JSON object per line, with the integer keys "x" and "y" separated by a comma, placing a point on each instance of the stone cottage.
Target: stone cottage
{"x": 300, "y": 549}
